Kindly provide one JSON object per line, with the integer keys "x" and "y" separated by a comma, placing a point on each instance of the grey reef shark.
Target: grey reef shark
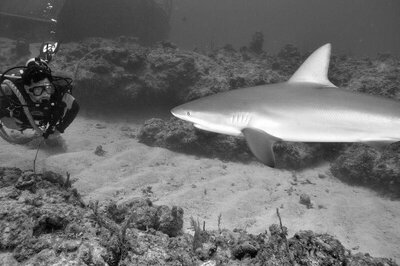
{"x": 306, "y": 108}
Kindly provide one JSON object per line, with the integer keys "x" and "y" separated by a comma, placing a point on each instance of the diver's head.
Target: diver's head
{"x": 37, "y": 80}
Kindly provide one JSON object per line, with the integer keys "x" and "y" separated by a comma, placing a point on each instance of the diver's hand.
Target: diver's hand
{"x": 48, "y": 132}
{"x": 51, "y": 134}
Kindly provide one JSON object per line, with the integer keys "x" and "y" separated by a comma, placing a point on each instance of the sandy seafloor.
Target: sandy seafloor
{"x": 246, "y": 195}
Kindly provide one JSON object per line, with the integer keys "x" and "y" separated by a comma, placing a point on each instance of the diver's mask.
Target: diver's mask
{"x": 41, "y": 91}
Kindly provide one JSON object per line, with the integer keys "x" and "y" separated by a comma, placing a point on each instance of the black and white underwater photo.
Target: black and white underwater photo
{"x": 200, "y": 132}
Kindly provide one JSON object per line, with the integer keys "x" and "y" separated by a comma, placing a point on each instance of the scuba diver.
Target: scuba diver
{"x": 36, "y": 99}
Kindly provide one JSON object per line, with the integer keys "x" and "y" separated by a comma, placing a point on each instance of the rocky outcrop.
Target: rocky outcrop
{"x": 123, "y": 74}
{"x": 44, "y": 221}
{"x": 363, "y": 165}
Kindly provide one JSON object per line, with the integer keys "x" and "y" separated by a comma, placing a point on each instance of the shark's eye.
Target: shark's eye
{"x": 188, "y": 113}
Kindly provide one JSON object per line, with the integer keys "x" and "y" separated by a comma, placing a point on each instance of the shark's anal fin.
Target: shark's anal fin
{"x": 260, "y": 144}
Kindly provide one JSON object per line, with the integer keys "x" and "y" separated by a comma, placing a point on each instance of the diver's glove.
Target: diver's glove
{"x": 48, "y": 132}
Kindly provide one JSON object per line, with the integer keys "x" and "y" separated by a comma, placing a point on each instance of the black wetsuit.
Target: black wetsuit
{"x": 58, "y": 113}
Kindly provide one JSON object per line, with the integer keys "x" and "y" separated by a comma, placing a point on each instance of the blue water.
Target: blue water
{"x": 359, "y": 27}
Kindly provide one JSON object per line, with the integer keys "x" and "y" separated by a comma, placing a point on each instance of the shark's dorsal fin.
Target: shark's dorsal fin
{"x": 315, "y": 68}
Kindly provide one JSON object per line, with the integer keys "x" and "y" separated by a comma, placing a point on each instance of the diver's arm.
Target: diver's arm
{"x": 71, "y": 109}
{"x": 5, "y": 93}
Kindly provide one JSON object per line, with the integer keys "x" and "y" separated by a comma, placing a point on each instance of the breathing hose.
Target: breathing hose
{"x": 21, "y": 99}
{"x": 4, "y": 134}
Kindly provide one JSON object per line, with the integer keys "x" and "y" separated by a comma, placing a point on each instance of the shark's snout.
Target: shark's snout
{"x": 178, "y": 112}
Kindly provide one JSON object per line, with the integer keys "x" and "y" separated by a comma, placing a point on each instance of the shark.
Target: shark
{"x": 305, "y": 108}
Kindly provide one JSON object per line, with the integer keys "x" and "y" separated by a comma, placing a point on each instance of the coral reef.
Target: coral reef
{"x": 129, "y": 74}
{"x": 44, "y": 221}
{"x": 362, "y": 165}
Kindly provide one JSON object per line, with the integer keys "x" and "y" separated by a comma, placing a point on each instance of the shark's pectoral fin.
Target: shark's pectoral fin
{"x": 260, "y": 144}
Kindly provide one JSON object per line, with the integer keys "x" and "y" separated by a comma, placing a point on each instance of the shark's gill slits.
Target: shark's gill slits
{"x": 240, "y": 119}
